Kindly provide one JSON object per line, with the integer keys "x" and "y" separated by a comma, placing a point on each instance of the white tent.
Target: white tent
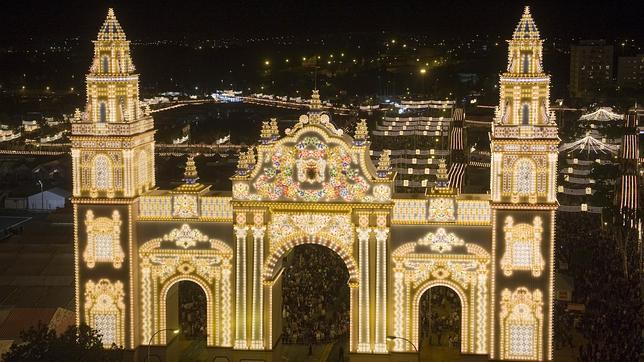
{"x": 589, "y": 144}
{"x": 51, "y": 199}
{"x": 602, "y": 114}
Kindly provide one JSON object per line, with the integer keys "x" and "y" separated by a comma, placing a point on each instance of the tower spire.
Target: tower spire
{"x": 526, "y": 29}
{"x": 111, "y": 29}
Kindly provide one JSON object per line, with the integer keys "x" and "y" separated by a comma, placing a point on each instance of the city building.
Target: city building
{"x": 630, "y": 72}
{"x": 591, "y": 68}
{"x": 314, "y": 184}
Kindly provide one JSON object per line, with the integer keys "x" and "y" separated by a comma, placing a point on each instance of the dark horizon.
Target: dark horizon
{"x": 211, "y": 20}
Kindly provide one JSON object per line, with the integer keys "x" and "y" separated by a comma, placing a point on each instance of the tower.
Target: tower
{"x": 523, "y": 182}
{"x": 113, "y": 163}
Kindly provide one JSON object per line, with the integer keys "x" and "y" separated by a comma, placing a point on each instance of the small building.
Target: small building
{"x": 15, "y": 202}
{"x": 8, "y": 135}
{"x": 30, "y": 126}
{"x": 51, "y": 199}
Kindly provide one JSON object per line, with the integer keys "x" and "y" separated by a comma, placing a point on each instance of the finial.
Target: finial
{"x": 275, "y": 131}
{"x": 526, "y": 10}
{"x": 441, "y": 178}
{"x": 190, "y": 175}
{"x": 362, "y": 133}
{"x": 110, "y": 13}
{"x": 246, "y": 161}
{"x": 266, "y": 134}
{"x": 384, "y": 164}
{"x": 315, "y": 100}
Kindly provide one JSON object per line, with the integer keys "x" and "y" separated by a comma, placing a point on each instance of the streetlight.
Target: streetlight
{"x": 393, "y": 338}
{"x": 42, "y": 196}
{"x": 174, "y": 331}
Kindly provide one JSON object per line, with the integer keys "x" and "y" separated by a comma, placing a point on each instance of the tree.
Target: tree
{"x": 77, "y": 343}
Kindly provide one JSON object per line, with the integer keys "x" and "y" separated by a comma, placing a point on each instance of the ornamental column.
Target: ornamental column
{"x": 381, "y": 233}
{"x": 364, "y": 321}
{"x": 241, "y": 231}
{"x": 257, "y": 328}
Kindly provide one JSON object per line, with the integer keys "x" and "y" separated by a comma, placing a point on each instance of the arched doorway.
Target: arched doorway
{"x": 464, "y": 270}
{"x": 187, "y": 310}
{"x": 440, "y": 324}
{"x": 185, "y": 255}
{"x": 311, "y": 303}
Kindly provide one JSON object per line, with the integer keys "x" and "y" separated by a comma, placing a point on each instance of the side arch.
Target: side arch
{"x": 464, "y": 308}
{"x": 210, "y": 326}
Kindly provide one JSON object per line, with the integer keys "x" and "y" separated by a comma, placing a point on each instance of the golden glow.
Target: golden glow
{"x": 522, "y": 247}
{"x": 185, "y": 254}
{"x": 103, "y": 240}
{"x": 521, "y": 320}
{"x": 357, "y": 216}
{"x": 105, "y": 310}
{"x": 461, "y": 267}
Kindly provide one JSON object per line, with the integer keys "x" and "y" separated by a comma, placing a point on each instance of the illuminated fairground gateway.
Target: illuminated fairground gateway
{"x": 313, "y": 184}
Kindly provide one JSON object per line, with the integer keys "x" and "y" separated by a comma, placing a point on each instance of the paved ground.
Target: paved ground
{"x": 36, "y": 267}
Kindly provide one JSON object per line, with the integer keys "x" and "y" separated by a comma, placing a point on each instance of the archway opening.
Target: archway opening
{"x": 315, "y": 303}
{"x": 440, "y": 314}
{"x": 186, "y": 307}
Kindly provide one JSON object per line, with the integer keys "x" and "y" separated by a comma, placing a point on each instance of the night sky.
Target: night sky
{"x": 20, "y": 19}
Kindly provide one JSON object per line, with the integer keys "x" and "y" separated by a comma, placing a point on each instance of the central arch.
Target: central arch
{"x": 324, "y": 240}
{"x": 272, "y": 277}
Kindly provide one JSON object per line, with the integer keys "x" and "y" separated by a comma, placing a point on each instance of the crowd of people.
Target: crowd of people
{"x": 315, "y": 296}
{"x": 192, "y": 311}
{"x": 606, "y": 278}
{"x": 440, "y": 317}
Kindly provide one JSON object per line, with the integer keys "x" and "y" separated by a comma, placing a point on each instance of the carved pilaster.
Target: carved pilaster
{"x": 257, "y": 328}
{"x": 241, "y": 231}
{"x": 381, "y": 233}
{"x": 363, "y": 230}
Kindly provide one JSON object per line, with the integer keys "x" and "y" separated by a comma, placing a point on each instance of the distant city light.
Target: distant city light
{"x": 267, "y": 62}
{"x": 423, "y": 70}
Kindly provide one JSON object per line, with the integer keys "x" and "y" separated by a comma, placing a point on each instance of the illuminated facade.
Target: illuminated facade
{"x": 313, "y": 185}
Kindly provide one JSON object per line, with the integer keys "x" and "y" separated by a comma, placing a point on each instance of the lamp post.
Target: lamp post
{"x": 42, "y": 196}
{"x": 174, "y": 331}
{"x": 392, "y": 338}
{"x": 422, "y": 72}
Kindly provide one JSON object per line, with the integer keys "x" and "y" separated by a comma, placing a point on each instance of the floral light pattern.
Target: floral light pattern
{"x": 311, "y": 171}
